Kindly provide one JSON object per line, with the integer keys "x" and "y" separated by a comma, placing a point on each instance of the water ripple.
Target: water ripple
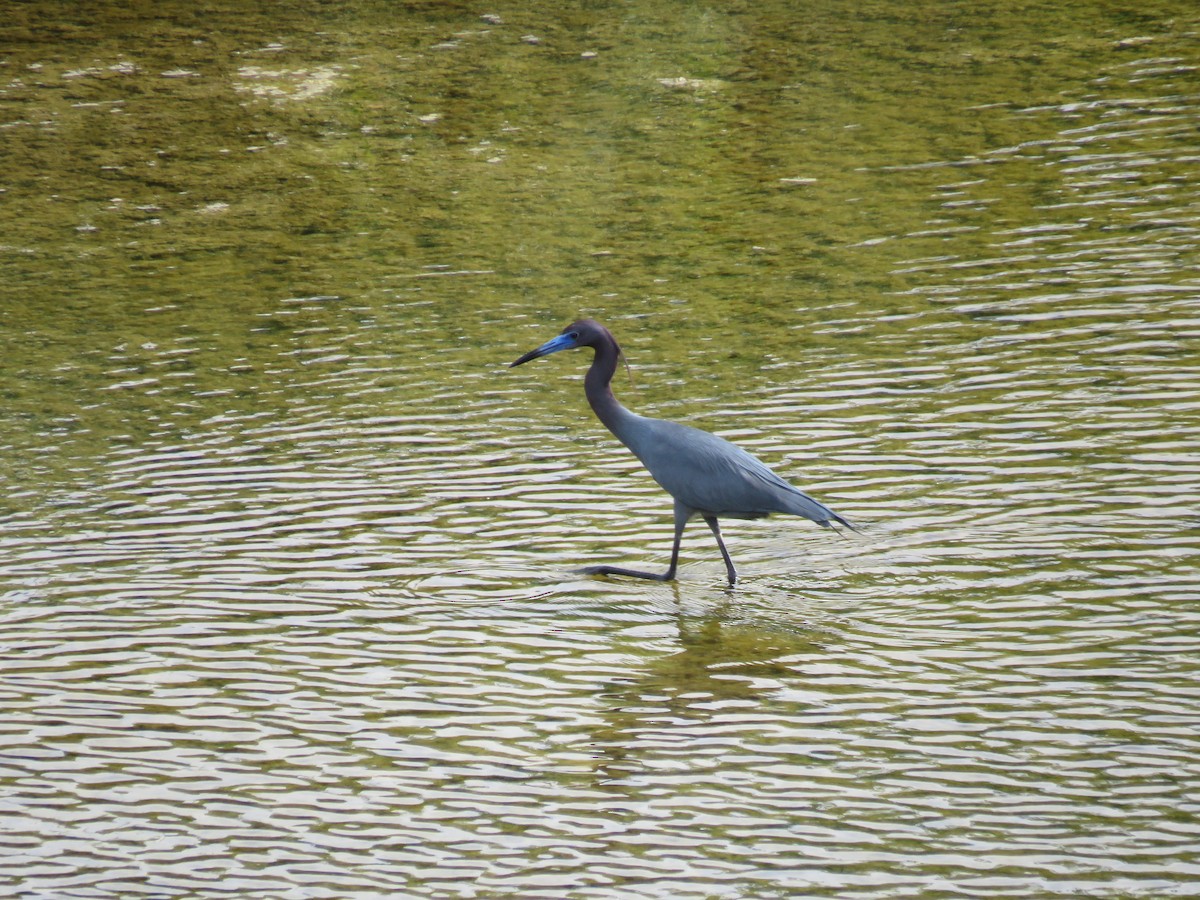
{"x": 288, "y": 609}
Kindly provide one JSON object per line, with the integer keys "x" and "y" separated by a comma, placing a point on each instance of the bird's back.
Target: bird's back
{"x": 713, "y": 476}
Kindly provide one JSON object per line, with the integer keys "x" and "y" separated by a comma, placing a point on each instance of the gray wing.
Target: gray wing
{"x": 711, "y": 475}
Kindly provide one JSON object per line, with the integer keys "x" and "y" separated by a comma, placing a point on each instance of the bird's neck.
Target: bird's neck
{"x": 598, "y": 388}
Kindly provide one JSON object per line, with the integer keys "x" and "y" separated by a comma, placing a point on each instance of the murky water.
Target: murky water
{"x": 286, "y": 606}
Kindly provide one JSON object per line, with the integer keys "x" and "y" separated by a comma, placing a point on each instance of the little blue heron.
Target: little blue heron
{"x": 707, "y": 475}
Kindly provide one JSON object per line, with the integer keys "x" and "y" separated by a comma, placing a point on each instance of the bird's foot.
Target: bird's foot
{"x": 669, "y": 575}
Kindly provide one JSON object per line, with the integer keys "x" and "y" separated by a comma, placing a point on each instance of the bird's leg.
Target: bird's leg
{"x": 632, "y": 573}
{"x": 716, "y": 530}
{"x": 682, "y": 514}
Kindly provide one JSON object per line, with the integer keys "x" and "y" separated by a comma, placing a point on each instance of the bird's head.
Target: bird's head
{"x": 584, "y": 333}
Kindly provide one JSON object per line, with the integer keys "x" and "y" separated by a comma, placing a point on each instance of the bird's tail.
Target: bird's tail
{"x": 834, "y": 517}
{"x": 804, "y": 505}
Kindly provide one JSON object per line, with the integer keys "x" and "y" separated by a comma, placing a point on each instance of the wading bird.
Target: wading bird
{"x": 707, "y": 475}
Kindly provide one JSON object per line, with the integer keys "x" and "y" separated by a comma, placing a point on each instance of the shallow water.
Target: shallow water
{"x": 286, "y": 605}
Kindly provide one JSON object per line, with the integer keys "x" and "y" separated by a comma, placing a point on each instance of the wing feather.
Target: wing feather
{"x": 713, "y": 476}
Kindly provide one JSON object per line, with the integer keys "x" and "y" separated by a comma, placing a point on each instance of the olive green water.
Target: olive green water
{"x": 285, "y": 597}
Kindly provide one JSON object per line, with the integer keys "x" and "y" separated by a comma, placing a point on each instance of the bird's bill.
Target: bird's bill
{"x": 562, "y": 342}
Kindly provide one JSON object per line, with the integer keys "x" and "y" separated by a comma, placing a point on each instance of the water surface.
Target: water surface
{"x": 286, "y": 603}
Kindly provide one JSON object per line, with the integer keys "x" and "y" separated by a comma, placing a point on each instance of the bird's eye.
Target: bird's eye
{"x": 574, "y": 335}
